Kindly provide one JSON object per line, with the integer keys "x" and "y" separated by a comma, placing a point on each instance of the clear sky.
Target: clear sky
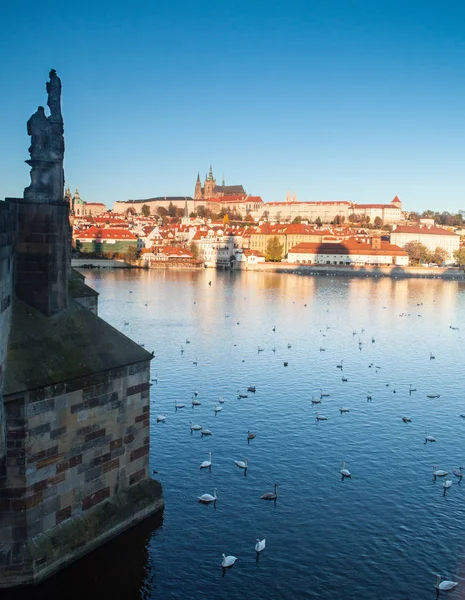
{"x": 332, "y": 100}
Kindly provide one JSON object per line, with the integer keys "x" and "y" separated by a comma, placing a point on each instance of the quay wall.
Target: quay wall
{"x": 99, "y": 263}
{"x": 451, "y": 273}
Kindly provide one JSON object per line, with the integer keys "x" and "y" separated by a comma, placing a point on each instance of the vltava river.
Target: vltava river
{"x": 384, "y": 533}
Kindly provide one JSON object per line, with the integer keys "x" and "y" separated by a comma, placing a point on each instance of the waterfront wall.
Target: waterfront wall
{"x": 99, "y": 263}
{"x": 361, "y": 271}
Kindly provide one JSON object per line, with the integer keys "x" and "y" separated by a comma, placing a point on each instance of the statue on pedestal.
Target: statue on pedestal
{"x": 47, "y": 148}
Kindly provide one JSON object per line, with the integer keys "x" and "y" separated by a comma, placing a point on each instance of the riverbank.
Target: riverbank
{"x": 393, "y": 271}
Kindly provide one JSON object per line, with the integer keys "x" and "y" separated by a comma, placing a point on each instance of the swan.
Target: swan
{"x": 406, "y": 419}
{"x": 345, "y": 472}
{"x": 207, "y": 464}
{"x": 316, "y": 400}
{"x": 271, "y": 495}
{"x": 221, "y": 400}
{"x": 344, "y": 409}
{"x": 196, "y": 402}
{"x": 344, "y": 379}
{"x": 218, "y": 408}
{"x": 458, "y": 472}
{"x": 323, "y": 395}
{"x": 204, "y": 431}
{"x": 320, "y": 417}
{"x": 161, "y": 418}
{"x": 196, "y": 393}
{"x": 438, "y": 472}
{"x": 260, "y": 545}
{"x": 429, "y": 438}
{"x": 178, "y": 405}
{"x": 241, "y": 463}
{"x": 251, "y": 436}
{"x": 228, "y": 561}
{"x": 446, "y": 485}
{"x": 206, "y": 498}
{"x": 445, "y": 585}
{"x": 196, "y": 427}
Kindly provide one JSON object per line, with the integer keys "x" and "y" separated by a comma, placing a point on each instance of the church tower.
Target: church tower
{"x": 198, "y": 188}
{"x": 210, "y": 184}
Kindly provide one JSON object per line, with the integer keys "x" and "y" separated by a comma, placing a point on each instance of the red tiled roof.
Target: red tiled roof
{"x": 348, "y": 247}
{"x": 415, "y": 229}
{"x": 107, "y": 234}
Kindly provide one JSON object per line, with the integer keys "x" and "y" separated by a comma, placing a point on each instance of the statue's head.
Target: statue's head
{"x": 52, "y": 73}
{"x": 40, "y": 109}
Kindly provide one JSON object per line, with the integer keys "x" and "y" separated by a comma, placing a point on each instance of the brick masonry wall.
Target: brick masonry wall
{"x": 70, "y": 447}
{"x": 7, "y": 235}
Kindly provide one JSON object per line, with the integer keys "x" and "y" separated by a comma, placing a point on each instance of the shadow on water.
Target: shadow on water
{"x": 117, "y": 569}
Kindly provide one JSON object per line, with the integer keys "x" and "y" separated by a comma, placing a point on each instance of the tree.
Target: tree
{"x": 161, "y": 211}
{"x": 459, "y": 256}
{"x": 145, "y": 210}
{"x": 297, "y": 220}
{"x": 318, "y": 222}
{"x": 265, "y": 215}
{"x": 274, "y": 250}
{"x": 193, "y": 215}
{"x": 194, "y": 249}
{"x": 171, "y": 210}
{"x": 250, "y": 219}
{"x": 378, "y": 221}
{"x": 131, "y": 254}
{"x": 440, "y": 255}
{"x": 418, "y": 252}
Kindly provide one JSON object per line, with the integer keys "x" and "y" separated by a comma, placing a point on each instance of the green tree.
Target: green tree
{"x": 297, "y": 220}
{"x": 194, "y": 249}
{"x": 131, "y": 254}
{"x": 193, "y": 215}
{"x": 274, "y": 250}
{"x": 417, "y": 252}
{"x": 459, "y": 256}
{"x": 318, "y": 222}
{"x": 439, "y": 256}
{"x": 378, "y": 221}
{"x": 201, "y": 211}
{"x": 145, "y": 210}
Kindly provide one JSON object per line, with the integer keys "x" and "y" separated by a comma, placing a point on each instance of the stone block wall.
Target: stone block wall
{"x": 7, "y": 236}
{"x": 71, "y": 448}
{"x": 43, "y": 253}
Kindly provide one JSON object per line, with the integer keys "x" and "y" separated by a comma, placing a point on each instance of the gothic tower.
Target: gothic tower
{"x": 198, "y": 189}
{"x": 210, "y": 184}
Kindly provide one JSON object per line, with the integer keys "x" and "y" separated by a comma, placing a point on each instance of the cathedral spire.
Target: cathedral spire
{"x": 210, "y": 174}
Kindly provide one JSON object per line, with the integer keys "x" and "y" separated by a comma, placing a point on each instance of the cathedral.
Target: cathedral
{"x": 211, "y": 190}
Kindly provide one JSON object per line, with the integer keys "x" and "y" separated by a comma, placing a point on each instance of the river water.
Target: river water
{"x": 384, "y": 533}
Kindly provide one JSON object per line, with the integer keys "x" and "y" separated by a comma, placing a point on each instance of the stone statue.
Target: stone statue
{"x": 54, "y": 96}
{"x": 47, "y": 148}
{"x": 38, "y": 127}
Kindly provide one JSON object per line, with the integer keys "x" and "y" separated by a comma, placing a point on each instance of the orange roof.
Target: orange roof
{"x": 416, "y": 229}
{"x": 107, "y": 234}
{"x": 348, "y": 247}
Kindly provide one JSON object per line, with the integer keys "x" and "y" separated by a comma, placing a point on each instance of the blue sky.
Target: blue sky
{"x": 332, "y": 100}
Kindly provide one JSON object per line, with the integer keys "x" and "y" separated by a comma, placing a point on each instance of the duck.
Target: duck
{"x": 204, "y": 431}
{"x": 429, "y": 438}
{"x": 221, "y": 400}
{"x": 406, "y": 419}
{"x": 344, "y": 379}
{"x": 260, "y": 545}
{"x": 340, "y": 365}
{"x": 271, "y": 495}
{"x": 320, "y": 417}
{"x": 345, "y": 472}
{"x": 242, "y": 464}
{"x": 438, "y": 472}
{"x": 343, "y": 409}
{"x": 161, "y": 418}
{"x": 446, "y": 585}
{"x": 228, "y": 561}
{"x": 207, "y": 464}
{"x": 207, "y": 498}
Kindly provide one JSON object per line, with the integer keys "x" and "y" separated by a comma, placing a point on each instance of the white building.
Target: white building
{"x": 431, "y": 237}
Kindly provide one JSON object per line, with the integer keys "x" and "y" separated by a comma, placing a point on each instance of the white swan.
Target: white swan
{"x": 271, "y": 495}
{"x": 438, "y": 472}
{"x": 260, "y": 545}
{"x": 241, "y": 463}
{"x": 429, "y": 438}
{"x": 204, "y": 431}
{"x": 446, "y": 485}
{"x": 228, "y": 561}
{"x": 345, "y": 472}
{"x": 344, "y": 409}
{"x": 445, "y": 585}
{"x": 316, "y": 400}
{"x": 196, "y": 427}
{"x": 195, "y": 402}
{"x": 178, "y": 405}
{"x": 207, "y": 464}
{"x": 206, "y": 498}
{"x": 161, "y": 418}
{"x": 221, "y": 400}
{"x": 218, "y": 408}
